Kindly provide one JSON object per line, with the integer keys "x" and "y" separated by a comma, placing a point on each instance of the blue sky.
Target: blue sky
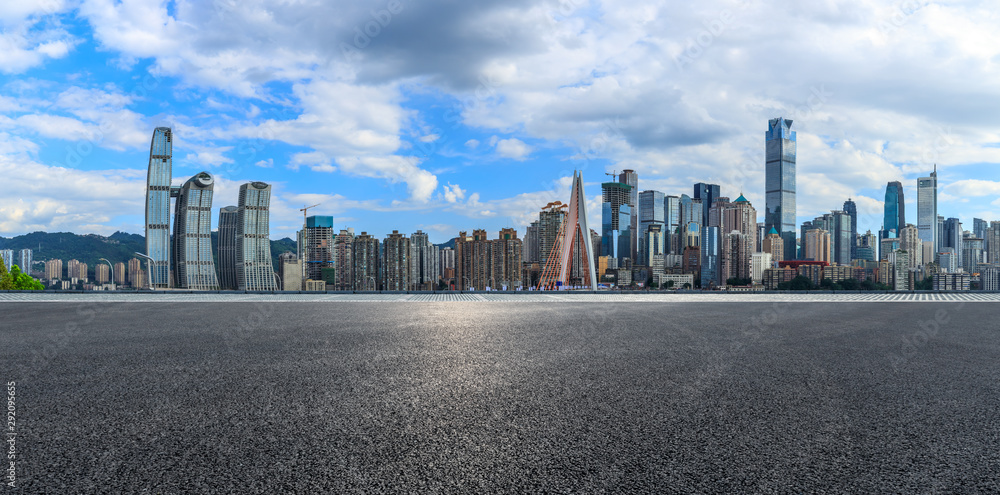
{"x": 444, "y": 116}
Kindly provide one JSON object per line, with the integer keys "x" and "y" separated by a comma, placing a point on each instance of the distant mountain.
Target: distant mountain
{"x": 118, "y": 247}
{"x": 449, "y": 244}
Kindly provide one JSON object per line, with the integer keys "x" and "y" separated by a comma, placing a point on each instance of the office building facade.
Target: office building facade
{"x": 254, "y": 267}
{"x": 780, "y": 169}
{"x": 158, "y": 206}
{"x": 193, "y": 263}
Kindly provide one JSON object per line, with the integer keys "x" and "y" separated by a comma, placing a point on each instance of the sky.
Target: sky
{"x": 446, "y": 116}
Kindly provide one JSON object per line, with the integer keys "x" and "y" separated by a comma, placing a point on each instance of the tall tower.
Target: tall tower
{"x": 254, "y": 268}
{"x": 632, "y": 179}
{"x": 852, "y": 209}
{"x": 575, "y": 229}
{"x": 228, "y": 217}
{"x": 194, "y": 266}
{"x": 318, "y": 240}
{"x": 779, "y": 164}
{"x": 927, "y": 215}
{"x": 895, "y": 210}
{"x": 651, "y": 212}
{"x": 158, "y": 206}
{"x": 616, "y": 219}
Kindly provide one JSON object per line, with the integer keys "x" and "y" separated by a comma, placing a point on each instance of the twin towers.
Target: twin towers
{"x": 186, "y": 261}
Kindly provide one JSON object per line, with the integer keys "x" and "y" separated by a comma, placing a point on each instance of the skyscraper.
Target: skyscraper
{"x": 422, "y": 262}
{"x": 318, "y": 241}
{"x": 672, "y": 221}
{"x": 194, "y": 265}
{"x": 894, "y": 218}
{"x": 852, "y": 210}
{"x": 632, "y": 179}
{"x": 774, "y": 244}
{"x": 343, "y": 261}
{"x": 779, "y": 164}
{"x": 927, "y": 214}
{"x": 707, "y": 194}
{"x": 979, "y": 227}
{"x": 841, "y": 237}
{"x": 396, "y": 262}
{"x": 254, "y": 268}
{"x": 158, "y": 206}
{"x": 228, "y": 220}
{"x": 651, "y": 212}
{"x": 951, "y": 237}
{"x": 366, "y": 254}
{"x": 505, "y": 261}
{"x": 616, "y": 215}
{"x": 739, "y": 228}
{"x": 818, "y": 245}
{"x": 550, "y": 219}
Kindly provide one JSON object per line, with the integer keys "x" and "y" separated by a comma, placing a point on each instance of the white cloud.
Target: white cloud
{"x": 513, "y": 148}
{"x": 30, "y": 35}
{"x": 472, "y": 144}
{"x": 453, "y": 193}
{"x": 269, "y": 163}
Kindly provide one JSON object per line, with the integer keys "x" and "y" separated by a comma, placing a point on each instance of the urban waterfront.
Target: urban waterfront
{"x": 701, "y": 395}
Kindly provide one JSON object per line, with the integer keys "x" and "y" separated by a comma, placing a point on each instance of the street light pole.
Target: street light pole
{"x": 112, "y": 272}
{"x": 149, "y": 268}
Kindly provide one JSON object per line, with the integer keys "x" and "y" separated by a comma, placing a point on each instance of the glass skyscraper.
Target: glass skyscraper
{"x": 158, "y": 206}
{"x": 194, "y": 266}
{"x": 895, "y": 211}
{"x": 852, "y": 209}
{"x": 927, "y": 215}
{"x": 779, "y": 164}
{"x": 616, "y": 217}
{"x": 651, "y": 212}
{"x": 632, "y": 179}
{"x": 228, "y": 218}
{"x": 254, "y": 268}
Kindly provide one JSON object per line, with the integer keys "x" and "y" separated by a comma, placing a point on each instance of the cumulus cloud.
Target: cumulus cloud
{"x": 513, "y": 148}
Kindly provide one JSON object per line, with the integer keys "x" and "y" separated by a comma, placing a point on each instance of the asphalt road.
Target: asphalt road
{"x": 504, "y": 397}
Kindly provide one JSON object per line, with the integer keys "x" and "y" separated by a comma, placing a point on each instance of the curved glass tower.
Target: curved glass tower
{"x": 894, "y": 218}
{"x": 254, "y": 269}
{"x": 158, "y": 206}
{"x": 228, "y": 219}
{"x": 194, "y": 267}
{"x": 780, "y": 182}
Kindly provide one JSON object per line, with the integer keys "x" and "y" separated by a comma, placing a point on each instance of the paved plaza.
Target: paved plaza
{"x": 599, "y": 393}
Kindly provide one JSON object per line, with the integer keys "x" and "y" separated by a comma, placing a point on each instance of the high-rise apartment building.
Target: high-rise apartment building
{"x": 343, "y": 261}
{"x": 423, "y": 262}
{"x": 102, "y": 273}
{"x": 894, "y": 218}
{"x": 365, "y": 254}
{"x": 911, "y": 242}
{"x": 818, "y": 246}
{"x": 653, "y": 247}
{"x": 972, "y": 253}
{"x": 505, "y": 261}
{"x": 25, "y": 260}
{"x": 979, "y": 227}
{"x": 121, "y": 274}
{"x": 318, "y": 243}
{"x": 779, "y": 163}
{"x": 158, "y": 206}
{"x": 550, "y": 219}
{"x": 774, "y": 245}
{"x": 739, "y": 230}
{"x": 7, "y": 258}
{"x": 991, "y": 243}
{"x": 228, "y": 221}
{"x": 192, "y": 260}
{"x": 530, "y": 245}
{"x": 54, "y": 270}
{"x": 760, "y": 262}
{"x": 254, "y": 267}
{"x": 927, "y": 214}
{"x": 396, "y": 261}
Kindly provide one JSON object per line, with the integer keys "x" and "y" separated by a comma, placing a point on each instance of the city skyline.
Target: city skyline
{"x": 482, "y": 131}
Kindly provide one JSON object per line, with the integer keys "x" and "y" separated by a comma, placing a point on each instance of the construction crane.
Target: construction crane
{"x": 613, "y": 174}
{"x": 305, "y": 212}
